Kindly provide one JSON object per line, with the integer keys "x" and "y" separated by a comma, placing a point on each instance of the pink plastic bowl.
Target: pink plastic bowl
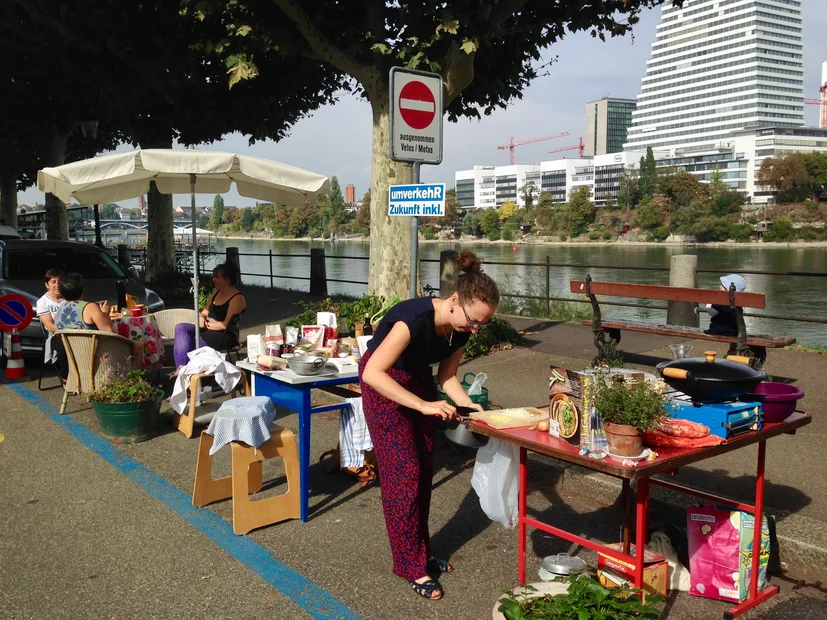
{"x": 778, "y": 399}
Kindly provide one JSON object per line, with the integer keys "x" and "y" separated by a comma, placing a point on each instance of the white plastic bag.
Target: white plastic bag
{"x": 496, "y": 480}
{"x": 476, "y": 386}
{"x": 678, "y": 574}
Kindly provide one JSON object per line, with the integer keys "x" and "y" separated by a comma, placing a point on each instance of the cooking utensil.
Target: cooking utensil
{"x": 458, "y": 433}
{"x": 561, "y": 565}
{"x": 307, "y": 364}
{"x": 706, "y": 379}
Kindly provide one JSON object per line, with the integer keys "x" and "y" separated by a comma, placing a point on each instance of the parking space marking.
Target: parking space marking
{"x": 315, "y": 601}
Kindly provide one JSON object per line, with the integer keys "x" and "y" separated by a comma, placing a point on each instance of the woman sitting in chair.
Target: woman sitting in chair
{"x": 218, "y": 321}
{"x": 77, "y": 314}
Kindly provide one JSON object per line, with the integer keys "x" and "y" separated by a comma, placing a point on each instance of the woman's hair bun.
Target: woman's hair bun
{"x": 469, "y": 262}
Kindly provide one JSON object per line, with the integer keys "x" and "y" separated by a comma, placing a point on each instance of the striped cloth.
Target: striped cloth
{"x": 246, "y": 419}
{"x": 354, "y": 437}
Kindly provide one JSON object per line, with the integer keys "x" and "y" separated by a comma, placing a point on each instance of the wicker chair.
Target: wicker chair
{"x": 168, "y": 319}
{"x": 85, "y": 352}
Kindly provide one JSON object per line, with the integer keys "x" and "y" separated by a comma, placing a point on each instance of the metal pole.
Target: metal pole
{"x": 271, "y": 267}
{"x": 98, "y": 241}
{"x": 194, "y": 262}
{"x": 414, "y": 237}
{"x": 548, "y": 292}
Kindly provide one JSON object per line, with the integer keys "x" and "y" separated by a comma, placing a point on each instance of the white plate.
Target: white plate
{"x": 646, "y": 452}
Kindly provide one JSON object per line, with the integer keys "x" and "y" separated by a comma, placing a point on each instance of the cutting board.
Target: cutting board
{"x": 492, "y": 418}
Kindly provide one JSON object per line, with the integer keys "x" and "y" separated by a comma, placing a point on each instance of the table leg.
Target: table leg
{"x": 755, "y": 598}
{"x": 641, "y": 528}
{"x": 521, "y": 534}
{"x": 304, "y": 453}
{"x": 627, "y": 515}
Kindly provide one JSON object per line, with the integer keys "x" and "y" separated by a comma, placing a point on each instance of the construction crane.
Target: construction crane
{"x": 580, "y": 147}
{"x": 822, "y": 117}
{"x": 510, "y": 146}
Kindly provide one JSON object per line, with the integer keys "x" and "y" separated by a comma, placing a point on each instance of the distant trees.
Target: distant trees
{"x": 108, "y": 212}
{"x": 580, "y": 210}
{"x": 217, "y": 214}
{"x": 794, "y": 176}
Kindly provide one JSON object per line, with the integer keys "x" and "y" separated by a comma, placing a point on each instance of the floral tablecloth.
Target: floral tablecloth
{"x": 143, "y": 329}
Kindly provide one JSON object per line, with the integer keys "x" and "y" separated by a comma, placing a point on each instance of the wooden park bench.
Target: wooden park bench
{"x": 607, "y": 331}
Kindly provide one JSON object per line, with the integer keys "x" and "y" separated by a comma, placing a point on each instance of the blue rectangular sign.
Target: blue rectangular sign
{"x": 423, "y": 200}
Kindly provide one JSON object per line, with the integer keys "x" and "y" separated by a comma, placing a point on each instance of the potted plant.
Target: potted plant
{"x": 628, "y": 410}
{"x": 127, "y": 407}
{"x": 585, "y": 598}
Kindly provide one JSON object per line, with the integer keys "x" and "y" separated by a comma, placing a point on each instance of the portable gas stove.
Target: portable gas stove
{"x": 724, "y": 419}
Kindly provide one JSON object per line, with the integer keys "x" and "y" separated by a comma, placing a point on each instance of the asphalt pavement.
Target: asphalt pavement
{"x": 93, "y": 530}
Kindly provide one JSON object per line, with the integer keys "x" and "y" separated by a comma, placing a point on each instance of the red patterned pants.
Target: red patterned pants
{"x": 403, "y": 440}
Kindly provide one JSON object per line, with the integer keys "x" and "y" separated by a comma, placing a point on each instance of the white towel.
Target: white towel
{"x": 205, "y": 359}
{"x": 354, "y": 437}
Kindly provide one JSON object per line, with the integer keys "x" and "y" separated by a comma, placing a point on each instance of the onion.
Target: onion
{"x": 542, "y": 425}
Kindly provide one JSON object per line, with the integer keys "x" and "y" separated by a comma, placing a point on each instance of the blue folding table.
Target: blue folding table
{"x": 292, "y": 392}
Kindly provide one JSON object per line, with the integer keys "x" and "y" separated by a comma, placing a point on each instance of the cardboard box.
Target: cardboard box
{"x": 255, "y": 347}
{"x": 720, "y": 552}
{"x": 655, "y": 571}
{"x": 579, "y": 389}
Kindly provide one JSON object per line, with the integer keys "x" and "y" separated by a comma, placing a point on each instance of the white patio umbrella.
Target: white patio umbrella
{"x": 127, "y": 175}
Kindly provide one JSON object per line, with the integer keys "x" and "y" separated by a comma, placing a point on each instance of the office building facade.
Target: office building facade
{"x": 607, "y": 122}
{"x": 719, "y": 67}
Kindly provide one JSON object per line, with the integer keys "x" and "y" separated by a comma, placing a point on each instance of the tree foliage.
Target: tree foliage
{"x": 580, "y": 210}
{"x": 451, "y": 217}
{"x": 508, "y": 210}
{"x": 486, "y": 51}
{"x": 648, "y": 174}
{"x": 794, "y": 176}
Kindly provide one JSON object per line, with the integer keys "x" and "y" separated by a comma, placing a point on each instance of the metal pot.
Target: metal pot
{"x": 458, "y": 432}
{"x": 307, "y": 364}
{"x": 706, "y": 379}
{"x": 561, "y": 565}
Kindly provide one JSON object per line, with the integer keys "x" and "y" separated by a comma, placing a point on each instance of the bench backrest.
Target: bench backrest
{"x": 669, "y": 293}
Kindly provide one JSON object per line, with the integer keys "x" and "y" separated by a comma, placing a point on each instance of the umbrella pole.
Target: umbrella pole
{"x": 194, "y": 263}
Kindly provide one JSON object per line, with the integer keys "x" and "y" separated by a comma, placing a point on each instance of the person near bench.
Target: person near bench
{"x": 723, "y": 321}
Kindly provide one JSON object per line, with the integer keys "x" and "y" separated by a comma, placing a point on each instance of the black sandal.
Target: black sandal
{"x": 426, "y": 589}
{"x": 435, "y": 565}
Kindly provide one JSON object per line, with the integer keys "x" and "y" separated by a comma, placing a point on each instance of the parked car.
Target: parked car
{"x": 7, "y": 232}
{"x": 23, "y": 262}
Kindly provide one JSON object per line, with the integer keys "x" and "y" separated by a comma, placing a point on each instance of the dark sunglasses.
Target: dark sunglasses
{"x": 468, "y": 320}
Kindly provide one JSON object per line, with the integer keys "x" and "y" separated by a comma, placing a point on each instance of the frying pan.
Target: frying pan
{"x": 706, "y": 379}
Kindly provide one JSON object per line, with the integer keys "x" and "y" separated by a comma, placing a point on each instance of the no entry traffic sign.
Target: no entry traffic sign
{"x": 416, "y": 116}
{"x": 15, "y": 312}
{"x": 416, "y": 105}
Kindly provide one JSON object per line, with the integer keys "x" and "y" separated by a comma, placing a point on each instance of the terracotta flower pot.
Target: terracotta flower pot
{"x": 624, "y": 440}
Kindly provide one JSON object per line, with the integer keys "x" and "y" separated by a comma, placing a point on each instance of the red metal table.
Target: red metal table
{"x": 669, "y": 460}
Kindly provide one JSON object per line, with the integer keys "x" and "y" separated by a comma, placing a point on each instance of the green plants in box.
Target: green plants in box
{"x": 497, "y": 335}
{"x": 120, "y": 387}
{"x": 586, "y": 599}
{"x": 633, "y": 404}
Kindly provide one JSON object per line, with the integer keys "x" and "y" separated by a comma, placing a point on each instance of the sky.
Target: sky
{"x": 336, "y": 140}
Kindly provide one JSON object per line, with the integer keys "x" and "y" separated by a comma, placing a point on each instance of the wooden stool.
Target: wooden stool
{"x": 185, "y": 422}
{"x": 246, "y": 478}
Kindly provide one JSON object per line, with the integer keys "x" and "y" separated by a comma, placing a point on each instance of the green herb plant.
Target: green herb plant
{"x": 586, "y": 600}
{"x": 635, "y": 404}
{"x": 122, "y": 387}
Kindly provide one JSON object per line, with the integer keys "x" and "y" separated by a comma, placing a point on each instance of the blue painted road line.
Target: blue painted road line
{"x": 311, "y": 598}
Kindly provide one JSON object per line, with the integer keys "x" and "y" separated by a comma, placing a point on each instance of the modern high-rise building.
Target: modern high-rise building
{"x": 350, "y": 194}
{"x": 718, "y": 67}
{"x": 607, "y": 121}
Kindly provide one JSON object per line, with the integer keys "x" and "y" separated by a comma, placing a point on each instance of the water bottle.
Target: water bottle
{"x": 120, "y": 288}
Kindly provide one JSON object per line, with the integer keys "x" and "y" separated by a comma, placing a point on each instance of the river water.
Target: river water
{"x": 787, "y": 296}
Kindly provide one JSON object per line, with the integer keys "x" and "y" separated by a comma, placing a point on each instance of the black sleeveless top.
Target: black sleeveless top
{"x": 427, "y": 346}
{"x": 219, "y": 312}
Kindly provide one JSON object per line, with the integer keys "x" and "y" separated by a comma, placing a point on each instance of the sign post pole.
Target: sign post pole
{"x": 414, "y": 237}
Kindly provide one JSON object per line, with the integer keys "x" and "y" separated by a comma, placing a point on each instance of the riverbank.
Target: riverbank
{"x": 531, "y": 240}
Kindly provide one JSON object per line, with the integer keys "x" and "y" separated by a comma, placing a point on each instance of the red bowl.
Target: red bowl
{"x": 778, "y": 399}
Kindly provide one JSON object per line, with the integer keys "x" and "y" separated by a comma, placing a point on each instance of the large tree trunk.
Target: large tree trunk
{"x": 8, "y": 196}
{"x": 57, "y": 223}
{"x": 160, "y": 242}
{"x": 390, "y": 237}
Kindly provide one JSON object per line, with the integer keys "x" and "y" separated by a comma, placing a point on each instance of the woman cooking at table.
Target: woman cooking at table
{"x": 402, "y": 407}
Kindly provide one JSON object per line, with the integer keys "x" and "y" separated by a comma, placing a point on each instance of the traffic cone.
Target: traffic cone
{"x": 15, "y": 368}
